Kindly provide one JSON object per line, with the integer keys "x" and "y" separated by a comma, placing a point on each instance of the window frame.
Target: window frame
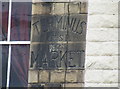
{"x": 10, "y": 43}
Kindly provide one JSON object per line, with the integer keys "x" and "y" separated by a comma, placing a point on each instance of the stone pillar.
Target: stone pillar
{"x": 58, "y": 44}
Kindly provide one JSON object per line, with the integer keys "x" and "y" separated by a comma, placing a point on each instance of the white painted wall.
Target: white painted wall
{"x": 101, "y": 66}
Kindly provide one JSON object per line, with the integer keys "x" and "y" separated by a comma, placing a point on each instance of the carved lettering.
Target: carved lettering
{"x": 59, "y": 41}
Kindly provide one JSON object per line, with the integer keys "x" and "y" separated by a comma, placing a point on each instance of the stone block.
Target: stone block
{"x": 57, "y": 76}
{"x": 103, "y": 7}
{"x": 107, "y": 85}
{"x": 102, "y": 21}
{"x": 84, "y": 7}
{"x": 71, "y": 75}
{"x": 102, "y": 34}
{"x": 41, "y": 8}
{"x": 101, "y": 62}
{"x": 44, "y": 76}
{"x": 60, "y": 8}
{"x": 102, "y": 48}
{"x": 75, "y": 7}
{"x": 80, "y": 76}
{"x": 33, "y": 76}
{"x": 101, "y": 76}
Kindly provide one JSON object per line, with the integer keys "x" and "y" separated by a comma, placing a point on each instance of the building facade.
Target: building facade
{"x": 73, "y": 43}
{"x": 101, "y": 53}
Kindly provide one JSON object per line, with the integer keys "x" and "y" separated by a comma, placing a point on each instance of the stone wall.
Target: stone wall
{"x": 101, "y": 68}
{"x": 101, "y": 60}
{"x": 59, "y": 76}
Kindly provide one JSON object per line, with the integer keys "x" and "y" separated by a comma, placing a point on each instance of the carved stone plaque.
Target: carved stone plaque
{"x": 58, "y": 41}
{"x": 53, "y": 28}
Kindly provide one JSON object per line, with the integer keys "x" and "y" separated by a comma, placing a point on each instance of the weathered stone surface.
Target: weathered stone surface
{"x": 102, "y": 21}
{"x": 103, "y": 7}
{"x": 50, "y": 45}
{"x": 101, "y": 76}
{"x": 53, "y": 28}
{"x": 101, "y": 48}
{"x": 102, "y": 85}
{"x": 102, "y": 62}
{"x": 101, "y": 52}
{"x": 105, "y": 1}
{"x": 57, "y": 76}
{"x": 44, "y": 76}
{"x": 76, "y": 53}
{"x": 71, "y": 75}
{"x": 75, "y": 7}
{"x": 102, "y": 43}
{"x": 102, "y": 34}
{"x": 84, "y": 7}
{"x": 80, "y": 76}
{"x": 59, "y": 8}
{"x": 33, "y": 76}
{"x": 41, "y": 8}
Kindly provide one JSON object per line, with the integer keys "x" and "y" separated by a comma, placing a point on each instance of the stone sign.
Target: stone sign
{"x": 58, "y": 41}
